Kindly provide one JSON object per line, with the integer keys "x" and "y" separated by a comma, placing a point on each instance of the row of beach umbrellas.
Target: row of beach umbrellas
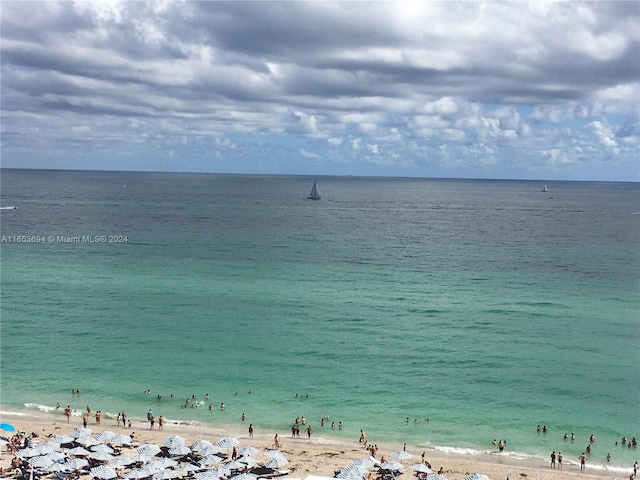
{"x": 75, "y": 450}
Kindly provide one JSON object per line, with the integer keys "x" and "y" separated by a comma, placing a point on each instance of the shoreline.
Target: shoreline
{"x": 318, "y": 456}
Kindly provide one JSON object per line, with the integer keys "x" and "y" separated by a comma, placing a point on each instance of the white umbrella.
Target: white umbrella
{"x": 103, "y": 472}
{"x": 477, "y": 476}
{"x": 248, "y": 459}
{"x": 228, "y": 442}
{"x": 202, "y": 444}
{"x": 121, "y": 461}
{"x": 149, "y": 449}
{"x": 180, "y": 450}
{"x": 78, "y": 451}
{"x": 80, "y": 432}
{"x": 175, "y": 441}
{"x": 167, "y": 474}
{"x": 244, "y": 476}
{"x": 436, "y": 476}
{"x": 163, "y": 463}
{"x": 40, "y": 462}
{"x": 190, "y": 467}
{"x": 276, "y": 462}
{"x": 56, "y": 467}
{"x": 248, "y": 450}
{"x": 140, "y": 458}
{"x": 401, "y": 455}
{"x": 87, "y": 441}
{"x": 365, "y": 462}
{"x": 101, "y": 456}
{"x": 74, "y": 464}
{"x": 55, "y": 456}
{"x": 391, "y": 465}
{"x": 235, "y": 465}
{"x": 421, "y": 467}
{"x": 121, "y": 439}
{"x": 208, "y": 475}
{"x": 62, "y": 439}
{"x": 138, "y": 473}
{"x": 274, "y": 454}
{"x": 28, "y": 452}
{"x": 106, "y": 436}
{"x": 102, "y": 447}
{"x": 210, "y": 460}
{"x": 208, "y": 450}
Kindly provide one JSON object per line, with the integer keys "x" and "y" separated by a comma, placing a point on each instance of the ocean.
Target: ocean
{"x": 440, "y": 313}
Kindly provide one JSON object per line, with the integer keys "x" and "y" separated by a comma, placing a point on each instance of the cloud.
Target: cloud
{"x": 465, "y": 84}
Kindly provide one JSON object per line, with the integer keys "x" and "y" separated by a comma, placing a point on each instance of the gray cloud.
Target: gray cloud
{"x": 464, "y": 84}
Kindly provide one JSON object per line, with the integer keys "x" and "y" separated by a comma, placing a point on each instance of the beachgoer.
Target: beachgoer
{"x": 589, "y": 448}
{"x": 149, "y": 415}
{"x": 553, "y": 459}
{"x": 124, "y": 419}
{"x": 362, "y": 437}
{"x": 251, "y": 430}
{"x": 98, "y": 417}
{"x": 234, "y": 454}
{"x": 222, "y": 406}
{"x": 309, "y": 432}
{"x": 152, "y": 422}
{"x": 333, "y": 424}
{"x": 559, "y": 460}
{"x": 339, "y": 425}
{"x": 583, "y": 462}
{"x": 276, "y": 441}
{"x": 243, "y": 417}
{"x": 160, "y": 423}
{"x": 67, "y": 412}
{"x": 84, "y": 420}
{"x": 57, "y": 405}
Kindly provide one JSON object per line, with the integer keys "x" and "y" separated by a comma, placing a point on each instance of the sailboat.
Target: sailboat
{"x": 314, "y": 195}
{"x": 545, "y": 189}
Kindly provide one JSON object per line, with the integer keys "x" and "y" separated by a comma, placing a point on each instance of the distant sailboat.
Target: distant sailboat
{"x": 314, "y": 195}
{"x": 545, "y": 189}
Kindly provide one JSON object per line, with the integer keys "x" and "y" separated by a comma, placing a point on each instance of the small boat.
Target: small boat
{"x": 11, "y": 207}
{"x": 314, "y": 195}
{"x": 545, "y": 189}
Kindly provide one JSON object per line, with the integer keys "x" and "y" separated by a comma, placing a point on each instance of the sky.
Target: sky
{"x": 468, "y": 89}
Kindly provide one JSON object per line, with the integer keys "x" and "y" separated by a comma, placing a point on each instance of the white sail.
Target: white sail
{"x": 314, "y": 195}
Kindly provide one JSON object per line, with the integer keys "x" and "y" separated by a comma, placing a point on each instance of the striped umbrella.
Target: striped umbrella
{"x": 102, "y": 447}
{"x": 101, "y": 456}
{"x": 203, "y": 444}
{"x": 40, "y": 462}
{"x": 149, "y": 449}
{"x": 244, "y": 476}
{"x": 167, "y": 474}
{"x": 228, "y": 442}
{"x": 106, "y": 436}
{"x": 436, "y": 476}
{"x": 210, "y": 460}
{"x": 175, "y": 441}
{"x": 248, "y": 450}
{"x": 212, "y": 474}
{"x": 74, "y": 464}
{"x": 401, "y": 455}
{"x": 477, "y": 476}
{"x": 103, "y": 472}
{"x": 180, "y": 450}
{"x": 277, "y": 462}
{"x": 80, "y": 432}
{"x": 391, "y": 465}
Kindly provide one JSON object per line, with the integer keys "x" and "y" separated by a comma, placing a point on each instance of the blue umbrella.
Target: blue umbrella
{"x": 7, "y": 427}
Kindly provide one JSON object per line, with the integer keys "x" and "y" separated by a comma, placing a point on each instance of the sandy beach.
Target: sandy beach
{"x": 315, "y": 456}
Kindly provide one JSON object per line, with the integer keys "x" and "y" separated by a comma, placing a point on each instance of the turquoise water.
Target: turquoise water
{"x": 488, "y": 307}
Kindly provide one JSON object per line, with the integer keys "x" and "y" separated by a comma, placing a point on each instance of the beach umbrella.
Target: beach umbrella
{"x": 208, "y": 475}
{"x": 436, "y": 476}
{"x": 190, "y": 467}
{"x": 121, "y": 439}
{"x": 149, "y": 449}
{"x": 55, "y": 467}
{"x": 401, "y": 455}
{"x": 122, "y": 462}
{"x": 391, "y": 465}
{"x": 477, "y": 476}
{"x": 7, "y": 427}
{"x": 276, "y": 462}
{"x": 201, "y": 445}
{"x": 235, "y": 465}
{"x": 167, "y": 474}
{"x": 138, "y": 473}
{"x": 102, "y": 447}
{"x": 55, "y": 456}
{"x": 228, "y": 442}
{"x": 421, "y": 467}
{"x": 244, "y": 476}
{"x": 140, "y": 458}
{"x": 103, "y": 472}
{"x": 80, "y": 432}
{"x": 40, "y": 462}
{"x": 248, "y": 450}
{"x": 63, "y": 439}
{"x": 101, "y": 456}
{"x": 274, "y": 454}
{"x": 74, "y": 464}
{"x": 365, "y": 462}
{"x": 175, "y": 441}
{"x": 210, "y": 460}
{"x": 105, "y": 436}
{"x": 352, "y": 472}
{"x": 78, "y": 451}
{"x": 162, "y": 464}
{"x": 180, "y": 450}
{"x": 87, "y": 441}
{"x": 248, "y": 460}
{"x": 28, "y": 452}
